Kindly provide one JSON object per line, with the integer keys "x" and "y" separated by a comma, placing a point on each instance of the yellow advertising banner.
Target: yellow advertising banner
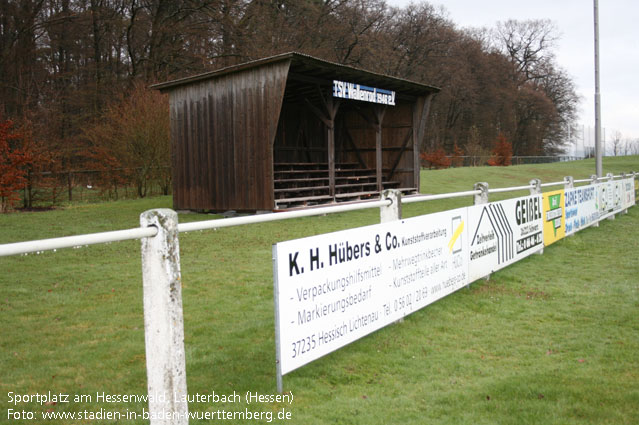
{"x": 554, "y": 216}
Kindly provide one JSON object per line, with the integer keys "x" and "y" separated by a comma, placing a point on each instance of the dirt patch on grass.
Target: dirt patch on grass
{"x": 496, "y": 289}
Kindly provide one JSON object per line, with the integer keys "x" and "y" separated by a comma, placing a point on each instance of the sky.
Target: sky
{"x": 574, "y": 51}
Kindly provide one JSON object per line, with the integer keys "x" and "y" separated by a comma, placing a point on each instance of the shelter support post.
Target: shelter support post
{"x": 163, "y": 320}
{"x": 331, "y": 108}
{"x": 420, "y": 116}
{"x": 330, "y": 137}
{"x": 328, "y": 118}
{"x": 379, "y": 118}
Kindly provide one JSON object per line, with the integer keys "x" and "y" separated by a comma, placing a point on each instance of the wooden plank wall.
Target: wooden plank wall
{"x": 300, "y": 136}
{"x": 222, "y": 139}
{"x": 398, "y": 144}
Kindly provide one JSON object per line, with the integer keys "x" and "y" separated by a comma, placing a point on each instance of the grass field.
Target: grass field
{"x": 553, "y": 339}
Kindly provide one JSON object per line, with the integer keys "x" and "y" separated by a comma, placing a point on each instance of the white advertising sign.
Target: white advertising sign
{"x": 335, "y": 288}
{"x": 617, "y": 195}
{"x": 628, "y": 193}
{"x": 606, "y": 199}
{"x": 501, "y": 233}
{"x": 581, "y": 208}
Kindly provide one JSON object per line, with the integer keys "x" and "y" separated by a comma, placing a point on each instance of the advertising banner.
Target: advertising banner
{"x": 501, "y": 233}
{"x": 581, "y": 207}
{"x": 617, "y": 196}
{"x": 605, "y": 192}
{"x": 335, "y": 288}
{"x": 627, "y": 193}
{"x": 554, "y": 216}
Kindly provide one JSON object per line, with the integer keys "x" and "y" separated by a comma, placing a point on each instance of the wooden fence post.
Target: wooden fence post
{"x": 163, "y": 320}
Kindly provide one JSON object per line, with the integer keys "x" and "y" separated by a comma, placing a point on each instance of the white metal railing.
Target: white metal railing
{"x": 141, "y": 232}
{"x": 164, "y": 334}
{"x": 75, "y": 241}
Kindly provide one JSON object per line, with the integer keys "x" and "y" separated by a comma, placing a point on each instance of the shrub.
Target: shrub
{"x": 458, "y": 153}
{"x": 502, "y": 152}
{"x": 12, "y": 162}
{"x": 437, "y": 159}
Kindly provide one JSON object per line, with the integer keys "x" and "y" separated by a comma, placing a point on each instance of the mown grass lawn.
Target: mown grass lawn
{"x": 552, "y": 339}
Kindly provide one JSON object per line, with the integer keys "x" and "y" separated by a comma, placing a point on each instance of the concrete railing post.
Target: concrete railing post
{"x": 481, "y": 198}
{"x": 393, "y": 211}
{"x": 594, "y": 180}
{"x": 163, "y": 320}
{"x": 569, "y": 183}
{"x": 610, "y": 178}
{"x": 535, "y": 189}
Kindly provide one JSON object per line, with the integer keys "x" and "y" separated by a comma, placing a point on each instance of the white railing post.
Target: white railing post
{"x": 163, "y": 320}
{"x": 393, "y": 211}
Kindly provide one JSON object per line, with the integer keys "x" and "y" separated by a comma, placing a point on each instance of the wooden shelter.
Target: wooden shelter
{"x": 292, "y": 130}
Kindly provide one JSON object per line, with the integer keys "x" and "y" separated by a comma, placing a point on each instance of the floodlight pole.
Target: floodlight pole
{"x": 598, "y": 154}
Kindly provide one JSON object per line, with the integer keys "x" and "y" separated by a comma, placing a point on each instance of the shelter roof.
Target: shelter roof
{"x": 309, "y": 69}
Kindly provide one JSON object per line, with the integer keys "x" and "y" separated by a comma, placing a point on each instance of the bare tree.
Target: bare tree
{"x": 617, "y": 143}
{"x": 631, "y": 147}
{"x": 546, "y": 99}
{"x": 529, "y": 45}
